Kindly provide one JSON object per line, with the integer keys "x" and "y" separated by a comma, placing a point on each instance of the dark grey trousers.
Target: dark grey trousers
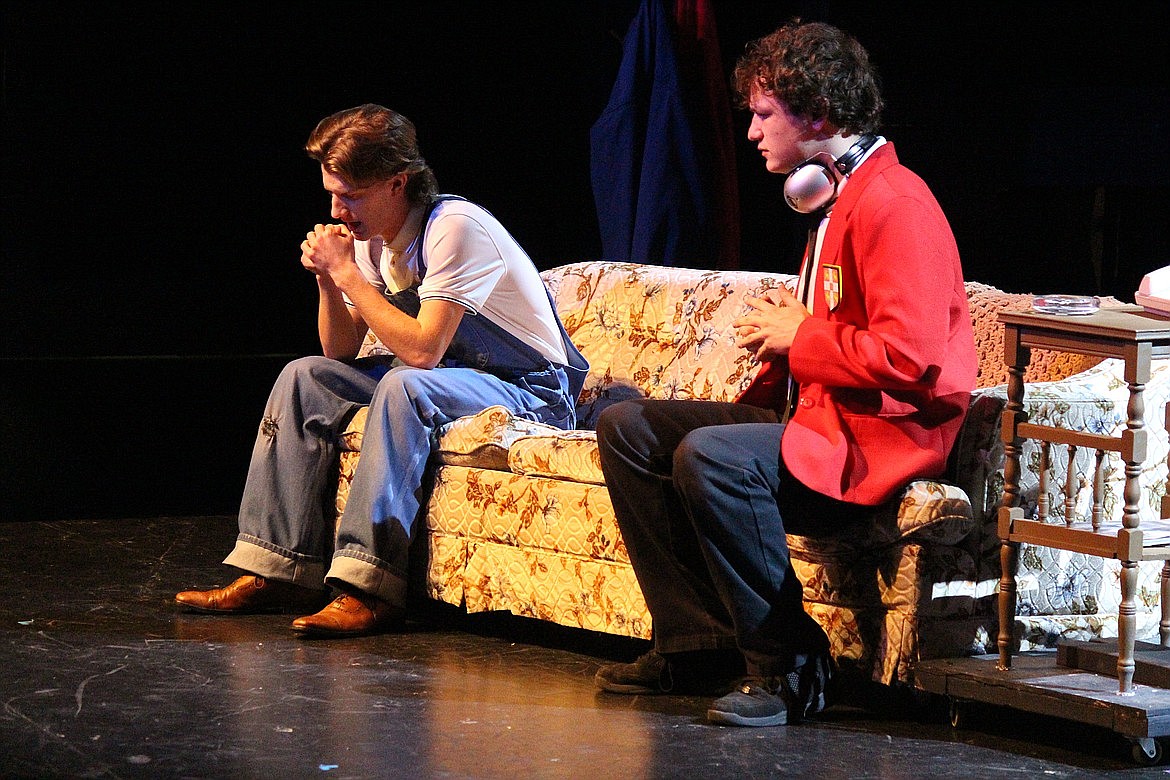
{"x": 703, "y": 502}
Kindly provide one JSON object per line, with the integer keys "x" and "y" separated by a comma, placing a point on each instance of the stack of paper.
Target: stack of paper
{"x": 1154, "y": 292}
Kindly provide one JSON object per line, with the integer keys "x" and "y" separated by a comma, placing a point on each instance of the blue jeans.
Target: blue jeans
{"x": 286, "y": 529}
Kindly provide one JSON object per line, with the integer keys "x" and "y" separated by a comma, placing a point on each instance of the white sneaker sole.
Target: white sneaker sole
{"x": 735, "y": 719}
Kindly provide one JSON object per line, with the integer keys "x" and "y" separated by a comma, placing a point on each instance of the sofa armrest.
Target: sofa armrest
{"x": 929, "y": 512}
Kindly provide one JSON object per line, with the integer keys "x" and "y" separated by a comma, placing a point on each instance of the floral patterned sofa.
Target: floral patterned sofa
{"x": 519, "y": 519}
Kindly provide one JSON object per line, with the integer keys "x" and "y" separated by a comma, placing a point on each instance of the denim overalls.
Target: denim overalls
{"x": 286, "y": 531}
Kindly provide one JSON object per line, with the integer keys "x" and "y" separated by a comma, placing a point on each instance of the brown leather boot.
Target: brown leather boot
{"x": 250, "y": 594}
{"x": 352, "y": 614}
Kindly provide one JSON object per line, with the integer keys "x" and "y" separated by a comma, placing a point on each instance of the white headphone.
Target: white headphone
{"x": 813, "y": 185}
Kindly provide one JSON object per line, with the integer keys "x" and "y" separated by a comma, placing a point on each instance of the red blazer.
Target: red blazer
{"x": 887, "y": 361}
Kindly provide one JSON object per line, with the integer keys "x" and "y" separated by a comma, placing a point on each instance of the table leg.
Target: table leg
{"x": 1017, "y": 359}
{"x": 1127, "y": 627}
{"x": 1137, "y": 373}
{"x": 1164, "y": 624}
{"x": 1009, "y": 559}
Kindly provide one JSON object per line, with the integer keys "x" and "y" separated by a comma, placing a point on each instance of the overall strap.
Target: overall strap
{"x": 577, "y": 367}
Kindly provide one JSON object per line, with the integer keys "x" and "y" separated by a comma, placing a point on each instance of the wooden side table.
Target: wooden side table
{"x": 1135, "y": 336}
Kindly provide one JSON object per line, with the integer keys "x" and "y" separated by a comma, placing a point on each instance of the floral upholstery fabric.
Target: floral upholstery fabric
{"x": 538, "y": 547}
{"x": 570, "y": 455}
{"x": 482, "y": 439}
{"x": 884, "y": 611}
{"x": 519, "y": 518}
{"x": 927, "y": 511}
{"x": 655, "y": 332}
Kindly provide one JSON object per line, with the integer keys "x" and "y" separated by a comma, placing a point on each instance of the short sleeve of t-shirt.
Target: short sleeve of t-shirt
{"x": 464, "y": 263}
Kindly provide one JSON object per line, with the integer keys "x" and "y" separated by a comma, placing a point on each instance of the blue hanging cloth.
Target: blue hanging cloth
{"x": 649, "y": 172}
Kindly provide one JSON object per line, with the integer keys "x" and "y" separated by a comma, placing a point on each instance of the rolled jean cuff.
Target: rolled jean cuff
{"x": 360, "y": 571}
{"x": 259, "y": 557}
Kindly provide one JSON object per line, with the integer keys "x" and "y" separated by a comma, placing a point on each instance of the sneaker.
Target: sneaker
{"x": 650, "y": 674}
{"x": 775, "y": 701}
{"x": 756, "y": 701}
{"x": 697, "y": 672}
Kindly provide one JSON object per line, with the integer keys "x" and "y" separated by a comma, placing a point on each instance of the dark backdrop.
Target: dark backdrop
{"x": 154, "y": 189}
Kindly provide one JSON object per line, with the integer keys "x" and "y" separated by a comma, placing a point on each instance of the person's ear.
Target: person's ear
{"x": 820, "y": 124}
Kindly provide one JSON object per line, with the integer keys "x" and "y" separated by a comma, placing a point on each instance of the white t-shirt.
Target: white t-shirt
{"x": 473, "y": 261}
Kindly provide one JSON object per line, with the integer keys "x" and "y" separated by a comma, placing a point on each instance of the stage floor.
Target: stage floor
{"x": 103, "y": 677}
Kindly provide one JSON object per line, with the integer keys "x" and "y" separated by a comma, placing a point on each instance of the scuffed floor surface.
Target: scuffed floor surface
{"x": 103, "y": 677}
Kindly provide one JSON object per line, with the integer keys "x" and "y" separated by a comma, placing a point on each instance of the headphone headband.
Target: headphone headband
{"x": 848, "y": 161}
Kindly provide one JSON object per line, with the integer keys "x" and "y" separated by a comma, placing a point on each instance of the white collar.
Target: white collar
{"x": 407, "y": 233}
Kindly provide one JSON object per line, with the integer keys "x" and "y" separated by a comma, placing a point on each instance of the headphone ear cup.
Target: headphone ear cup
{"x": 810, "y": 186}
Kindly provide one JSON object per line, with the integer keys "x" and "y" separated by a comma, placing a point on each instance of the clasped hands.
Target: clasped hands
{"x": 768, "y": 330}
{"x": 327, "y": 249}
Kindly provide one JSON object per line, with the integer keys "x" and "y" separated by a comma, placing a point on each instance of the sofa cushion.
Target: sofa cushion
{"x": 480, "y": 439}
{"x": 497, "y": 439}
{"x": 928, "y": 511}
{"x": 351, "y": 437}
{"x": 483, "y": 439}
{"x": 570, "y": 455}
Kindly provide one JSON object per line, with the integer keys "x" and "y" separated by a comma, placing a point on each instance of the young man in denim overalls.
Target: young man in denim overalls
{"x": 469, "y": 323}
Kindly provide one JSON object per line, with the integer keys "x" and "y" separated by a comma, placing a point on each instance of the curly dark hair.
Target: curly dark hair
{"x": 817, "y": 71}
{"x": 371, "y": 143}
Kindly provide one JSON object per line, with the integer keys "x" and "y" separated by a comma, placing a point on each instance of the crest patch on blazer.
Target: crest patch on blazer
{"x": 831, "y": 280}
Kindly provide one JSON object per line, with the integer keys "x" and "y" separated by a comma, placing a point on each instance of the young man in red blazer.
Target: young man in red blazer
{"x": 866, "y": 375}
